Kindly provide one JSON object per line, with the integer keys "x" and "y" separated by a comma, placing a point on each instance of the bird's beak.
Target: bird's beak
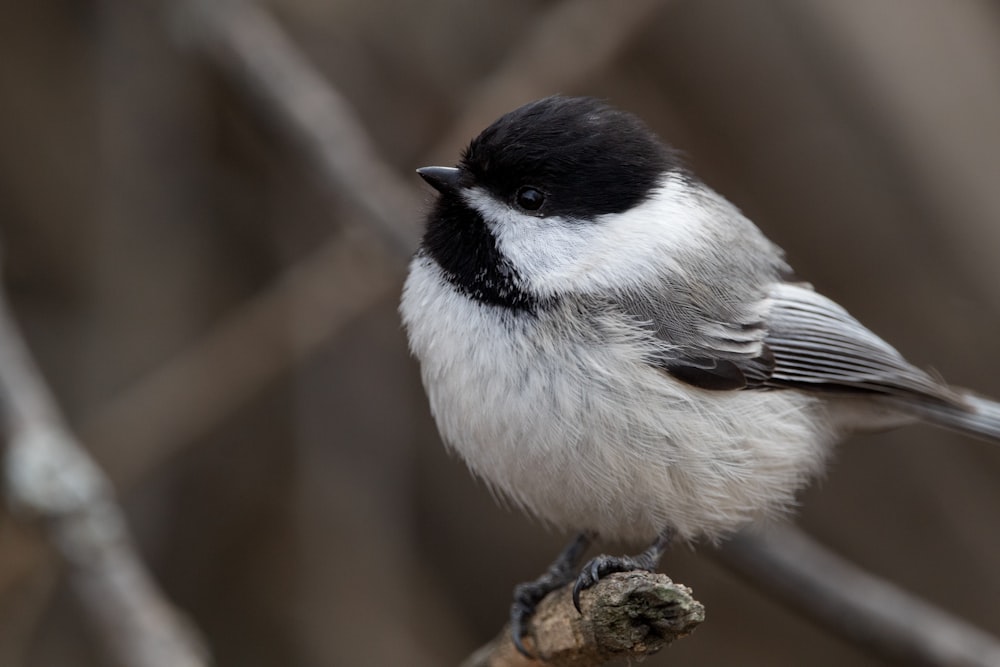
{"x": 442, "y": 179}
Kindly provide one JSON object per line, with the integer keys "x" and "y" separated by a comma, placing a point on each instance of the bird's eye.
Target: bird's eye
{"x": 529, "y": 198}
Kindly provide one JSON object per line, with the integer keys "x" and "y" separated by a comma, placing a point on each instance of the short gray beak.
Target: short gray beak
{"x": 442, "y": 179}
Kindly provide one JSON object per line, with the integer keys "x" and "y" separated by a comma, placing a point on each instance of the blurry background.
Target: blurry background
{"x": 290, "y": 494}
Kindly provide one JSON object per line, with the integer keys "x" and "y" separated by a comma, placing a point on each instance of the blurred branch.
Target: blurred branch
{"x": 566, "y": 47}
{"x": 24, "y": 605}
{"x": 628, "y": 615}
{"x": 254, "y": 53}
{"x": 203, "y": 384}
{"x": 860, "y": 607}
{"x": 48, "y": 476}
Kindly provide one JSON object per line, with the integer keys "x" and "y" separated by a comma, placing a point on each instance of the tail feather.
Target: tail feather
{"x": 975, "y": 416}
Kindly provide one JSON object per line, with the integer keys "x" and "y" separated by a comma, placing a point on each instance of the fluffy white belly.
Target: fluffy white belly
{"x": 573, "y": 425}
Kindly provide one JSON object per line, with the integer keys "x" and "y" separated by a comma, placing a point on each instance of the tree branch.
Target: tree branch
{"x": 867, "y": 611}
{"x": 207, "y": 381}
{"x": 49, "y": 477}
{"x": 565, "y": 47}
{"x": 244, "y": 42}
{"x": 628, "y": 615}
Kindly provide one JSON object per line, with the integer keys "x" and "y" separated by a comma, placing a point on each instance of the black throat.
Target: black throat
{"x": 458, "y": 239}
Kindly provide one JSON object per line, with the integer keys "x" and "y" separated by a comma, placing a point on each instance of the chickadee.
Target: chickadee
{"x": 614, "y": 347}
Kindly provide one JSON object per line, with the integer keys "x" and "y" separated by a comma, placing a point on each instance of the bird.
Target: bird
{"x": 613, "y": 347}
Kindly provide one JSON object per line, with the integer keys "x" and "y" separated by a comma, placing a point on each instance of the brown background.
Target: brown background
{"x": 316, "y": 520}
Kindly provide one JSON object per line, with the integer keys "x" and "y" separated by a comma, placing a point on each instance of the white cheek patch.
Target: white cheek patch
{"x": 555, "y": 255}
{"x": 536, "y": 246}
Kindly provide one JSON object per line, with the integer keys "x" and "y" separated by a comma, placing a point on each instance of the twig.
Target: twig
{"x": 201, "y": 385}
{"x": 866, "y": 610}
{"x": 564, "y": 48}
{"x": 246, "y": 44}
{"x": 48, "y": 476}
{"x": 628, "y": 615}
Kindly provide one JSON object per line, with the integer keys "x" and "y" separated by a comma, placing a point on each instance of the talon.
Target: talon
{"x": 517, "y": 635}
{"x": 520, "y": 611}
{"x": 596, "y": 567}
{"x": 529, "y": 594}
{"x": 591, "y": 573}
{"x": 526, "y": 598}
{"x": 577, "y": 589}
{"x": 600, "y": 567}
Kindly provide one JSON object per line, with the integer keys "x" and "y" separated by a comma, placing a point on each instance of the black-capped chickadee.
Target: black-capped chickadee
{"x": 615, "y": 348}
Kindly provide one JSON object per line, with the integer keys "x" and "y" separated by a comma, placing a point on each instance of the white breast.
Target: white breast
{"x": 572, "y": 424}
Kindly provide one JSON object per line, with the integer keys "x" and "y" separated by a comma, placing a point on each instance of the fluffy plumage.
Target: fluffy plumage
{"x": 553, "y": 411}
{"x": 630, "y": 355}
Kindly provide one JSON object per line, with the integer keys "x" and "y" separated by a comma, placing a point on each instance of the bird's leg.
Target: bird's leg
{"x": 601, "y": 566}
{"x": 530, "y": 593}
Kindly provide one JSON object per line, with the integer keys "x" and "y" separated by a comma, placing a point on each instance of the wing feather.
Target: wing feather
{"x": 817, "y": 343}
{"x": 793, "y": 338}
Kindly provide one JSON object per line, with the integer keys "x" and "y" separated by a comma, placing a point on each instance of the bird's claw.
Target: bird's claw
{"x": 526, "y": 599}
{"x": 601, "y": 566}
{"x": 529, "y": 594}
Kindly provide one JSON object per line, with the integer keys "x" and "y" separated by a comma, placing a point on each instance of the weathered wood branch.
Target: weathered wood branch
{"x": 627, "y": 615}
{"x": 49, "y": 479}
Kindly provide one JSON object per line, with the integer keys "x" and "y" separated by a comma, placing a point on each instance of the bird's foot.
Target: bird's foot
{"x": 529, "y": 594}
{"x": 601, "y": 566}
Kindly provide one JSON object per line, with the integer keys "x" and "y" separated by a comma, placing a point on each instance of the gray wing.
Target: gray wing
{"x": 795, "y": 337}
{"x": 817, "y": 344}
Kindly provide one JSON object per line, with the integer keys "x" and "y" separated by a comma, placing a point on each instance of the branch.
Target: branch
{"x": 49, "y": 477}
{"x": 245, "y": 43}
{"x": 194, "y": 391}
{"x": 864, "y": 609}
{"x": 566, "y": 47}
{"x": 628, "y": 615}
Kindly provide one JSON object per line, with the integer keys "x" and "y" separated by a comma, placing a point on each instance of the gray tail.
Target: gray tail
{"x": 976, "y": 416}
